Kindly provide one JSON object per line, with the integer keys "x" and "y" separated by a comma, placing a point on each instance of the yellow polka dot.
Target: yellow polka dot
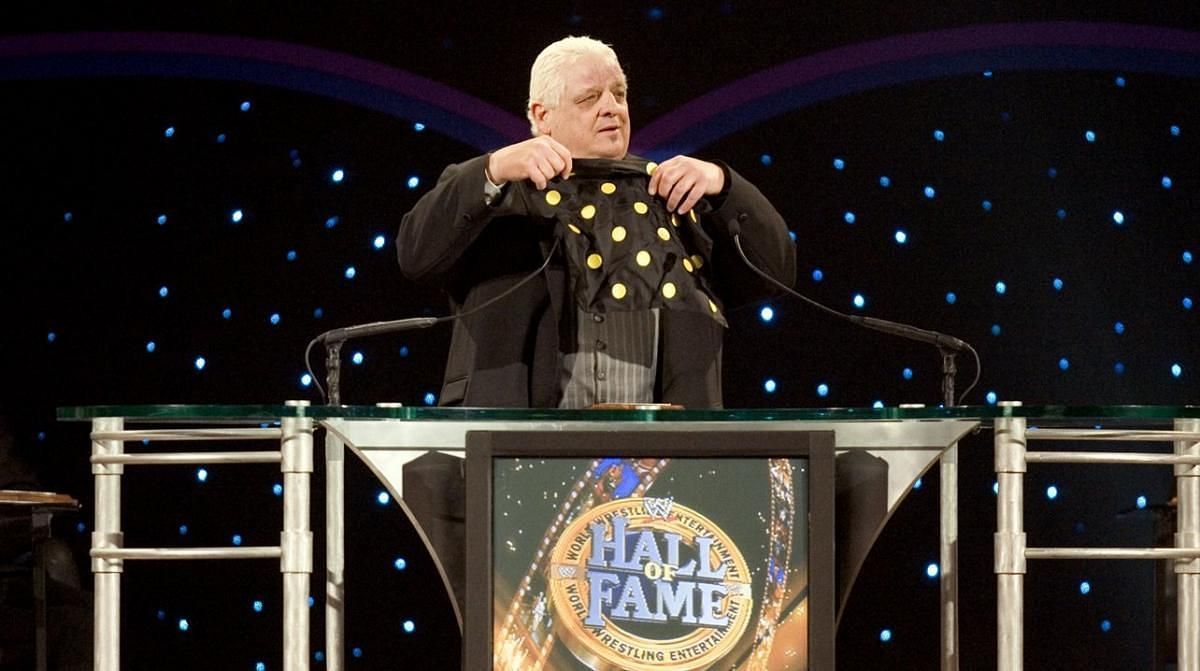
{"x": 674, "y": 220}
{"x": 618, "y": 291}
{"x": 698, "y": 260}
{"x": 608, "y": 188}
{"x": 553, "y": 197}
{"x": 687, "y": 265}
{"x": 640, "y": 207}
{"x": 574, "y": 229}
{"x": 588, "y": 211}
{"x": 692, "y": 215}
{"x": 668, "y": 290}
{"x": 651, "y": 167}
{"x": 712, "y": 306}
{"x": 618, "y": 233}
{"x": 663, "y": 234}
{"x": 643, "y": 258}
{"x": 594, "y": 261}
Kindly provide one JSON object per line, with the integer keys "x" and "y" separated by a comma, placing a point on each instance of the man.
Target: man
{"x": 631, "y": 306}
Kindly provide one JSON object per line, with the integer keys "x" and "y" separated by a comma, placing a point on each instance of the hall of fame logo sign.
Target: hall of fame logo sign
{"x": 647, "y": 584}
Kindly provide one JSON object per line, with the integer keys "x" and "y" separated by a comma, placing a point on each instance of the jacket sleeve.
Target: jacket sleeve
{"x": 442, "y": 225}
{"x": 746, "y": 212}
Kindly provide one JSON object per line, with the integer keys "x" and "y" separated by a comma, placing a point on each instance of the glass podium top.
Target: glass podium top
{"x": 1131, "y": 413}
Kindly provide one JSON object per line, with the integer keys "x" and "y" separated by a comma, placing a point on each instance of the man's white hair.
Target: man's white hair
{"x": 546, "y": 79}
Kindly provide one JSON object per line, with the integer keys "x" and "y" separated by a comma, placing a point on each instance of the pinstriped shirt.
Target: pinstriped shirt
{"x": 615, "y": 359}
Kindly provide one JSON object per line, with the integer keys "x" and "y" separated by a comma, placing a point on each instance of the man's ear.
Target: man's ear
{"x": 540, "y": 112}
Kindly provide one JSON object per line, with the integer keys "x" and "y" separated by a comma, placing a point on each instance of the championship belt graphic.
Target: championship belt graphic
{"x": 647, "y": 584}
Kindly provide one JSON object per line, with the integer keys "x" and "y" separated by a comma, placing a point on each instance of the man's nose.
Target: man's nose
{"x": 609, "y": 104}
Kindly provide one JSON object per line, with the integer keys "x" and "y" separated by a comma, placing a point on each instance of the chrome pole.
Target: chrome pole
{"x": 106, "y": 534}
{"x": 1187, "y": 535}
{"x": 1010, "y": 542}
{"x": 335, "y": 552}
{"x": 948, "y": 557}
{"x": 296, "y": 539}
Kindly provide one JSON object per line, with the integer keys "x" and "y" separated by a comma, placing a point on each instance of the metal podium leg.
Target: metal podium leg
{"x": 1010, "y": 542}
{"x": 335, "y": 552}
{"x": 296, "y": 540}
{"x": 948, "y": 558}
{"x": 106, "y": 573}
{"x": 1187, "y": 571}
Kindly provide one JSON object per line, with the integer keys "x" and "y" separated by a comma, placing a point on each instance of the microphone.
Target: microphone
{"x": 947, "y": 344}
{"x": 375, "y": 328}
{"x": 941, "y": 340}
{"x": 333, "y": 339}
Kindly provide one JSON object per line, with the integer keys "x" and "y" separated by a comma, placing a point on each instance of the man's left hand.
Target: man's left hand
{"x": 682, "y": 181}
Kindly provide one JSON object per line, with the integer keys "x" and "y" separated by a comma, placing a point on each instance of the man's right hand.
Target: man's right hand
{"x": 537, "y": 159}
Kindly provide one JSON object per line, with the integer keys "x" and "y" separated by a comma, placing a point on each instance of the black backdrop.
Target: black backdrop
{"x": 88, "y": 168}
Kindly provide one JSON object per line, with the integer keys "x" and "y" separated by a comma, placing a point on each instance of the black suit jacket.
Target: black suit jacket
{"x": 508, "y": 354}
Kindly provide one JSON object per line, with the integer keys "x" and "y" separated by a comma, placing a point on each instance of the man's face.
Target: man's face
{"x": 592, "y": 117}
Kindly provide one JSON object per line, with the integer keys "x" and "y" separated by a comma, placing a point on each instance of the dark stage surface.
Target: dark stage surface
{"x": 190, "y": 195}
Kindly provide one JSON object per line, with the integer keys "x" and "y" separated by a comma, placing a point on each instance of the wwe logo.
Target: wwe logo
{"x": 658, "y": 508}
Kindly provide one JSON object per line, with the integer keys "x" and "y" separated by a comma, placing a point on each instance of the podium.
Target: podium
{"x": 896, "y": 445}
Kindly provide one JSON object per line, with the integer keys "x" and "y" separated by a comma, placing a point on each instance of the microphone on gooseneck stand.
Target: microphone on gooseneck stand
{"x": 333, "y": 339}
{"x": 948, "y": 345}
